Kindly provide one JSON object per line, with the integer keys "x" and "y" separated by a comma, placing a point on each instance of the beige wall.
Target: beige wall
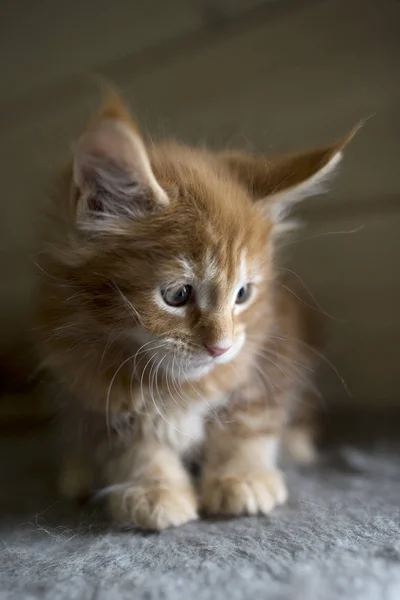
{"x": 272, "y": 76}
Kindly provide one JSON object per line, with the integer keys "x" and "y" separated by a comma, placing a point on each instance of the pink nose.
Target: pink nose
{"x": 217, "y": 349}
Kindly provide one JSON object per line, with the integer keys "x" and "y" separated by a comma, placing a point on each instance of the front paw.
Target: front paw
{"x": 247, "y": 493}
{"x": 154, "y": 507}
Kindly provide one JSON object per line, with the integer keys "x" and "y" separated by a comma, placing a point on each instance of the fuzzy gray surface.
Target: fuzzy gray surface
{"x": 338, "y": 538}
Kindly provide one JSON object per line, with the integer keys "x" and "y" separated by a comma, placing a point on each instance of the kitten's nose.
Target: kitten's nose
{"x": 218, "y": 349}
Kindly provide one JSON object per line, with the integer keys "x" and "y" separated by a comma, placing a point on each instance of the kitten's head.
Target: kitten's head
{"x": 171, "y": 248}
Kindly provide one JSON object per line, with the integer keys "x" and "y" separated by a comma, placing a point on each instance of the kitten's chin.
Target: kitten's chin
{"x": 196, "y": 373}
{"x": 189, "y": 371}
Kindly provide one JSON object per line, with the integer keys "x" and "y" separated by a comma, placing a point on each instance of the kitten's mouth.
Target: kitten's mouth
{"x": 199, "y": 366}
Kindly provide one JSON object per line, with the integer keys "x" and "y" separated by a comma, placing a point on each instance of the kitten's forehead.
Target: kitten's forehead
{"x": 220, "y": 268}
{"x": 215, "y": 232}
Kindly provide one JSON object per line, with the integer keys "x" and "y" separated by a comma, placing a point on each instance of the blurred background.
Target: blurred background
{"x": 266, "y": 75}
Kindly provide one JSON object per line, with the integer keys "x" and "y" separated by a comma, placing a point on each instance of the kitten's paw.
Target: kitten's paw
{"x": 250, "y": 493}
{"x": 154, "y": 507}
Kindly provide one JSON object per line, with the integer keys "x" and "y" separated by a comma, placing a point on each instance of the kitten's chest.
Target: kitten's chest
{"x": 179, "y": 420}
{"x": 177, "y": 416}
{"x": 181, "y": 429}
{"x": 184, "y": 428}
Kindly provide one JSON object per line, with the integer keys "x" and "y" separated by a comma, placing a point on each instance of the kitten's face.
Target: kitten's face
{"x": 172, "y": 248}
{"x": 206, "y": 280}
{"x": 191, "y": 282}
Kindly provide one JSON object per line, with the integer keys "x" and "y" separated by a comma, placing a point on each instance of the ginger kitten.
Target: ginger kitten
{"x": 163, "y": 324}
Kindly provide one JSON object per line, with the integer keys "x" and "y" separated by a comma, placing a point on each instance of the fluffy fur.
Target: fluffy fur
{"x": 144, "y": 385}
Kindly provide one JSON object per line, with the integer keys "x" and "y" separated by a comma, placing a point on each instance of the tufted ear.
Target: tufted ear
{"x": 112, "y": 175}
{"x": 276, "y": 183}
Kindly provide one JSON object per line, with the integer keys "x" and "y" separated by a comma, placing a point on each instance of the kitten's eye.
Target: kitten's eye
{"x": 178, "y": 297}
{"x": 243, "y": 294}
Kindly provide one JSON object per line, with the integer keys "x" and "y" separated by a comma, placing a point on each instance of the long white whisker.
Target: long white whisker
{"x": 156, "y": 381}
{"x": 267, "y": 379}
{"x": 322, "y": 357}
{"x": 317, "y": 307}
{"x": 142, "y": 378}
{"x": 297, "y": 376}
{"x": 182, "y": 408}
{"x": 175, "y": 385}
{"x": 166, "y": 420}
{"x": 310, "y": 385}
{"x": 141, "y": 350}
{"x": 109, "y": 392}
{"x": 279, "y": 356}
{"x": 211, "y": 408}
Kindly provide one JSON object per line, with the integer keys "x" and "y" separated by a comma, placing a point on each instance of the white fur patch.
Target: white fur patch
{"x": 187, "y": 268}
{"x": 180, "y": 429}
{"x": 211, "y": 269}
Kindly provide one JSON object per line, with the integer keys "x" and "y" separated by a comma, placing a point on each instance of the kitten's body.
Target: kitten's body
{"x": 145, "y": 383}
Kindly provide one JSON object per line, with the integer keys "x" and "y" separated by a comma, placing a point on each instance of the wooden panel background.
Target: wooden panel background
{"x": 270, "y": 76}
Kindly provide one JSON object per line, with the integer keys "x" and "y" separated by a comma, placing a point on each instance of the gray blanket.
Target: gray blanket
{"x": 338, "y": 538}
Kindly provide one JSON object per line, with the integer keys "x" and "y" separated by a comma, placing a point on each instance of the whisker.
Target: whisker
{"x": 211, "y": 408}
{"x": 64, "y": 283}
{"x": 322, "y": 357}
{"x": 317, "y": 307}
{"x": 308, "y": 382}
{"x": 269, "y": 355}
{"x": 266, "y": 378}
{"x": 301, "y": 381}
{"x": 176, "y": 382}
{"x": 106, "y": 347}
{"x": 141, "y": 350}
{"x": 109, "y": 392}
{"x": 129, "y": 305}
{"x": 183, "y": 409}
{"x": 279, "y": 356}
{"x": 156, "y": 381}
{"x": 141, "y": 380}
{"x": 164, "y": 418}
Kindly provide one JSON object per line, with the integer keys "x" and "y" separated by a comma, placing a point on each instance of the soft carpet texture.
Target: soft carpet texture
{"x": 338, "y": 538}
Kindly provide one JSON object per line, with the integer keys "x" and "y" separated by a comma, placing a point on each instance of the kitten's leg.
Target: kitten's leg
{"x": 240, "y": 474}
{"x": 152, "y": 488}
{"x": 299, "y": 443}
{"x": 299, "y": 437}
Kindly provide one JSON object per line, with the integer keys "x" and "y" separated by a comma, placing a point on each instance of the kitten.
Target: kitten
{"x": 165, "y": 327}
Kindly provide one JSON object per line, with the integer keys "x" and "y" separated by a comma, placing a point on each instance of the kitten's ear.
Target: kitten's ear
{"x": 278, "y": 183}
{"x": 112, "y": 175}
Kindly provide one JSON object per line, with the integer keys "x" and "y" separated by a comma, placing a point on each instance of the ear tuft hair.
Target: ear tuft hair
{"x": 112, "y": 173}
